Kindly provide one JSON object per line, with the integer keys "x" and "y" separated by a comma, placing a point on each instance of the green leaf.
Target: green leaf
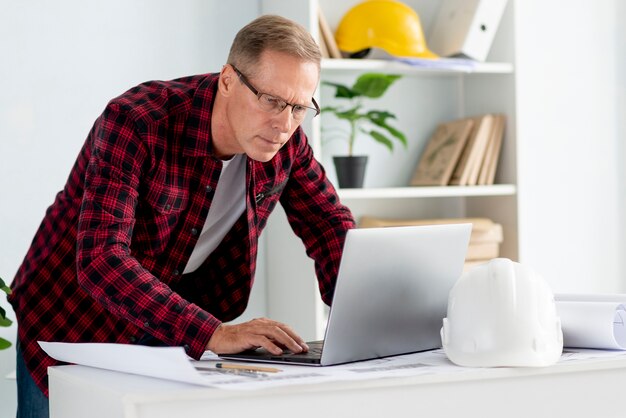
{"x": 394, "y": 132}
{"x": 350, "y": 114}
{"x": 342, "y": 92}
{"x": 398, "y": 135}
{"x": 5, "y": 322}
{"x": 382, "y": 139}
{"x": 4, "y": 344}
{"x": 381, "y": 115}
{"x": 3, "y": 286}
{"x": 380, "y": 119}
{"x": 373, "y": 85}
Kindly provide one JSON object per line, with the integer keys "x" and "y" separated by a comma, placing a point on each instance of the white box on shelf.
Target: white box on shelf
{"x": 466, "y": 28}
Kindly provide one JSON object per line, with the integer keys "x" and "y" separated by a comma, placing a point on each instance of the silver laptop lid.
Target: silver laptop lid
{"x": 392, "y": 290}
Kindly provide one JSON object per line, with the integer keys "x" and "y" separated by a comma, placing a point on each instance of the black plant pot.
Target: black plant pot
{"x": 350, "y": 170}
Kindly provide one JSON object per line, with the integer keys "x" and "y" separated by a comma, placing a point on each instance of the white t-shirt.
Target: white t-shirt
{"x": 228, "y": 204}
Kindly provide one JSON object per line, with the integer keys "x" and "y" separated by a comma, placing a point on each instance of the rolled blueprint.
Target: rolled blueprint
{"x": 593, "y": 321}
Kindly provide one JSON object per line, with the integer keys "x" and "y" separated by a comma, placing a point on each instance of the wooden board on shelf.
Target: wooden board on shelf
{"x": 441, "y": 154}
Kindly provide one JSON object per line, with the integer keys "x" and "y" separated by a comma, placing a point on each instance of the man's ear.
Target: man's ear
{"x": 227, "y": 78}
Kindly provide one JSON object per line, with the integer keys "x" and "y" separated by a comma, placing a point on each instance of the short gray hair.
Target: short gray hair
{"x": 276, "y": 33}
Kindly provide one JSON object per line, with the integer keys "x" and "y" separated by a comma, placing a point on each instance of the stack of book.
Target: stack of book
{"x": 328, "y": 45}
{"x": 484, "y": 242}
{"x": 463, "y": 152}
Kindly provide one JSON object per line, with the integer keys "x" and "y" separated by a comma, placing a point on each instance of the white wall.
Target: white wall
{"x": 61, "y": 62}
{"x": 568, "y": 145}
{"x": 620, "y": 113}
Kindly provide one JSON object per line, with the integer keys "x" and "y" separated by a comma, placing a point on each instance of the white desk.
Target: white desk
{"x": 591, "y": 388}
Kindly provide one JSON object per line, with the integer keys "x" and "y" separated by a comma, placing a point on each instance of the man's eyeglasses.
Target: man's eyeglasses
{"x": 275, "y": 105}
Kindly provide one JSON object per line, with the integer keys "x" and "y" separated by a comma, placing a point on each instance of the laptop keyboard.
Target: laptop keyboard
{"x": 312, "y": 356}
{"x": 315, "y": 350}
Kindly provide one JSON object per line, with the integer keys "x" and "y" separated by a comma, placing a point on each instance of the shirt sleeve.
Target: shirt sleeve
{"x": 106, "y": 269}
{"x": 316, "y": 215}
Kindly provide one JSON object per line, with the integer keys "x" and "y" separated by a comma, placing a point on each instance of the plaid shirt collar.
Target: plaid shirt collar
{"x": 198, "y": 142}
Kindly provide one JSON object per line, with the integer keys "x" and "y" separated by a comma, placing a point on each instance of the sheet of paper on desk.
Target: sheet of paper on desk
{"x": 163, "y": 362}
{"x": 593, "y": 320}
{"x": 430, "y": 362}
{"x": 173, "y": 364}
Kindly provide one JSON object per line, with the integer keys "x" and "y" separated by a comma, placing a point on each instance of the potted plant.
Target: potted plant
{"x": 4, "y": 321}
{"x": 373, "y": 123}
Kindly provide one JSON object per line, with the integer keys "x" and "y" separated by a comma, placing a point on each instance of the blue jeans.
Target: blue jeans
{"x": 31, "y": 402}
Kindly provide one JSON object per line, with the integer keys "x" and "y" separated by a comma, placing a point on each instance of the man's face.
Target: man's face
{"x": 255, "y": 131}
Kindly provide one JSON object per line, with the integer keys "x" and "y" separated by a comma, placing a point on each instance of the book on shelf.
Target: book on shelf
{"x": 492, "y": 154}
{"x": 323, "y": 48}
{"x": 484, "y": 243}
{"x": 443, "y": 150}
{"x": 462, "y": 152}
{"x": 465, "y": 28}
{"x": 468, "y": 167}
{"x": 482, "y": 251}
{"x": 327, "y": 37}
{"x": 470, "y": 264}
{"x": 484, "y": 230}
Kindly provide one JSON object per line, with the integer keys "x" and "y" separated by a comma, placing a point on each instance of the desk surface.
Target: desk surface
{"x": 588, "y": 388}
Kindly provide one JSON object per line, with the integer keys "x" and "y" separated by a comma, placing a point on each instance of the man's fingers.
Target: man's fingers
{"x": 277, "y": 333}
{"x": 264, "y": 342}
{"x": 300, "y": 344}
{"x": 261, "y": 332}
{"x": 285, "y": 335}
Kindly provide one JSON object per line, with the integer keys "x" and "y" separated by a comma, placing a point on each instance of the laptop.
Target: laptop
{"x": 390, "y": 298}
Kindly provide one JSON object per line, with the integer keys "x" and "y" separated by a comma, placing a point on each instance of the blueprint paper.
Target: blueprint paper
{"x": 593, "y": 321}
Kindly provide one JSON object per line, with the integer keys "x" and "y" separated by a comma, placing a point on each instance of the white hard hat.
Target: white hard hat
{"x": 502, "y": 313}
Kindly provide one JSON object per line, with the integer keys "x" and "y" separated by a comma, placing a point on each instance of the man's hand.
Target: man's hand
{"x": 261, "y": 332}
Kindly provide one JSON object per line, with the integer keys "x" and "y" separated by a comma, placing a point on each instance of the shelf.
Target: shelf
{"x": 426, "y": 192}
{"x": 329, "y": 65}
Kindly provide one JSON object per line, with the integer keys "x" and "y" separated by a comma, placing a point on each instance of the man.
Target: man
{"x": 153, "y": 240}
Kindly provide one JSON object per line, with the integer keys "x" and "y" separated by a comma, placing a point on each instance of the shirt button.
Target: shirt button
{"x": 194, "y": 231}
{"x": 209, "y": 189}
{"x": 132, "y": 340}
{"x": 146, "y": 324}
{"x": 186, "y": 347}
{"x": 176, "y": 272}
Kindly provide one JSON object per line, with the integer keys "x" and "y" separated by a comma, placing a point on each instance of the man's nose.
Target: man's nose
{"x": 283, "y": 120}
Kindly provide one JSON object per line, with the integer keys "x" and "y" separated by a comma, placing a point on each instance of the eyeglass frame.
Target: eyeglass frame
{"x": 258, "y": 95}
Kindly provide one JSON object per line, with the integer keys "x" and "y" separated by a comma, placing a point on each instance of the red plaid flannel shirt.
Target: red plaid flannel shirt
{"x": 106, "y": 263}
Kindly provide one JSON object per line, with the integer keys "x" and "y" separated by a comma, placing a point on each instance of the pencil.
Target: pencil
{"x": 247, "y": 367}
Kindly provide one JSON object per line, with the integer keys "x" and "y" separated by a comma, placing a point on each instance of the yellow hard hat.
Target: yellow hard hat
{"x": 387, "y": 24}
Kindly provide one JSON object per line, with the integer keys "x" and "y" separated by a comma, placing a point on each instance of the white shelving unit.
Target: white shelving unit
{"x": 423, "y": 98}
{"x": 427, "y": 192}
{"x": 330, "y": 65}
